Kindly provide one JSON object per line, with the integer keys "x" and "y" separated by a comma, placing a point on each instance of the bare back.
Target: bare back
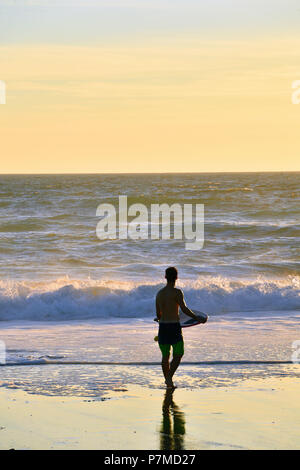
{"x": 167, "y": 304}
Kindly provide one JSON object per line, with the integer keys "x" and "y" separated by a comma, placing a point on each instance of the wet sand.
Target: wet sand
{"x": 255, "y": 414}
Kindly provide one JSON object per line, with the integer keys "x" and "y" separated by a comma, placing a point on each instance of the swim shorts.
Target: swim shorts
{"x": 170, "y": 334}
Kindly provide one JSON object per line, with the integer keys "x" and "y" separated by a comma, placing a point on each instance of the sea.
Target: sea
{"x": 76, "y": 311}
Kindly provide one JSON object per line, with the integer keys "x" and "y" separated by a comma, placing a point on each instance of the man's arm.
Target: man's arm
{"x": 158, "y": 312}
{"x": 184, "y": 307}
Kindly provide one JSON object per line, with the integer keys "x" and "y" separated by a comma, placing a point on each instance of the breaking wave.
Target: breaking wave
{"x": 65, "y": 299}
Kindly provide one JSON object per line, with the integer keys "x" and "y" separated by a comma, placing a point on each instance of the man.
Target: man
{"x": 168, "y": 301}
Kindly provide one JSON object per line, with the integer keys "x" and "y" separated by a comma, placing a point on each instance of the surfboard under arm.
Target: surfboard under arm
{"x": 186, "y": 321}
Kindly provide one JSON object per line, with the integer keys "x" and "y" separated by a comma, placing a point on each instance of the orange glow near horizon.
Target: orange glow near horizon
{"x": 185, "y": 105}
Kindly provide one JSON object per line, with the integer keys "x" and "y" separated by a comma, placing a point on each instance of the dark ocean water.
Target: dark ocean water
{"x": 54, "y": 267}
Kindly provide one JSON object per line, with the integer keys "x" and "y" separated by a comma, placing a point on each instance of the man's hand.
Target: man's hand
{"x": 184, "y": 307}
{"x": 158, "y": 312}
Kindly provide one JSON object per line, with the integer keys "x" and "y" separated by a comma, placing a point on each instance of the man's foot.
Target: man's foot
{"x": 171, "y": 387}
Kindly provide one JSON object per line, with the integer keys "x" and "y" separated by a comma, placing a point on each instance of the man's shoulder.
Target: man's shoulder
{"x": 178, "y": 291}
{"x": 163, "y": 290}
{"x": 160, "y": 291}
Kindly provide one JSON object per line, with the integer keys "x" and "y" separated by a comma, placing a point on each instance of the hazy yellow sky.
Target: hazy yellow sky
{"x": 176, "y": 102}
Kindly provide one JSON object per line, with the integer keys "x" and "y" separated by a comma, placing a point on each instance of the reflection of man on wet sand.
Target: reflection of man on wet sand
{"x": 171, "y": 438}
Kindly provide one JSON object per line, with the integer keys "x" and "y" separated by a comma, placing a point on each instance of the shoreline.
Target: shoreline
{"x": 255, "y": 414}
{"x": 44, "y": 362}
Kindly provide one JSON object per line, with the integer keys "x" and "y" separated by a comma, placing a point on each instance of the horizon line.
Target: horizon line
{"x": 148, "y": 172}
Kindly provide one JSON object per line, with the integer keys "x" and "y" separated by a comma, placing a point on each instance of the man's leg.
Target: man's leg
{"x": 165, "y": 350}
{"x": 178, "y": 351}
{"x": 174, "y": 364}
{"x": 165, "y": 366}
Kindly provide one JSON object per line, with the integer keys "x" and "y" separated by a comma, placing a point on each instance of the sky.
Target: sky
{"x": 149, "y": 86}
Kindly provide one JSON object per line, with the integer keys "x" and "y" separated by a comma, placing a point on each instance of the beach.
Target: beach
{"x": 257, "y": 414}
{"x": 82, "y": 369}
{"x": 99, "y": 386}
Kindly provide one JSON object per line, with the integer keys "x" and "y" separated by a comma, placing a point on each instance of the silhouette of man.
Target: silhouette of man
{"x": 168, "y": 301}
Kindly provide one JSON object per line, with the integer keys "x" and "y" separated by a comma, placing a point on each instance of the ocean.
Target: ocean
{"x": 69, "y": 299}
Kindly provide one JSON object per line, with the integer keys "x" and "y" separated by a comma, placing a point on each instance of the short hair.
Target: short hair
{"x": 171, "y": 274}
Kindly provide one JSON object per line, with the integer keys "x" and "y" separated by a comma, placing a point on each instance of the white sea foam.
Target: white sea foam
{"x": 65, "y": 299}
